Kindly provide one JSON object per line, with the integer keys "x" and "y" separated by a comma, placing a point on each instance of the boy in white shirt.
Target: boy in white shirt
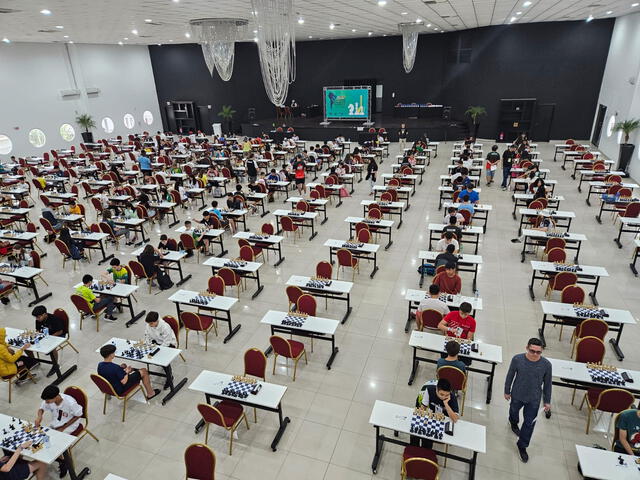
{"x": 158, "y": 331}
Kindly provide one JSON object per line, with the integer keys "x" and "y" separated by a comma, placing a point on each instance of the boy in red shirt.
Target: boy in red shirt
{"x": 459, "y": 323}
{"x": 449, "y": 281}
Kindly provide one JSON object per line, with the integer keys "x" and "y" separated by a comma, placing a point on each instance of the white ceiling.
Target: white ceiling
{"x": 111, "y": 21}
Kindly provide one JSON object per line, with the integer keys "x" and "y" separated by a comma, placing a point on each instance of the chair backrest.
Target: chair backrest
{"x": 267, "y": 229}
{"x": 187, "y": 241}
{"x": 536, "y": 205}
{"x": 572, "y": 294}
{"x": 79, "y": 396}
{"x": 613, "y": 189}
{"x": 394, "y": 182}
{"x": 613, "y": 179}
{"x": 456, "y": 377}
{"x": 592, "y": 327}
{"x": 281, "y": 346}
{"x": 302, "y": 206}
{"x": 97, "y": 204}
{"x": 624, "y": 192}
{"x": 374, "y": 213}
{"x": 555, "y": 242}
{"x": 314, "y": 194}
{"x": 556, "y": 255}
{"x": 62, "y": 247}
{"x": 632, "y": 210}
{"x": 614, "y": 400}
{"x": 255, "y": 363}
{"x": 421, "y": 468}
{"x": 62, "y": 315}
{"x": 46, "y": 225}
{"x": 324, "y": 270}
{"x": 345, "y": 258}
{"x": 229, "y": 276}
{"x": 174, "y": 324}
{"x": 293, "y": 293}
{"x": 246, "y": 253}
{"x": 287, "y": 224}
{"x": 428, "y": 318}
{"x": 361, "y": 226}
{"x": 394, "y": 194}
{"x": 138, "y": 269}
{"x": 306, "y": 304}
{"x": 103, "y": 385}
{"x": 191, "y": 321}
{"x": 363, "y": 235}
{"x": 200, "y": 462}
{"x": 563, "y": 279}
{"x": 386, "y": 197}
{"x": 590, "y": 349}
{"x": 81, "y": 304}
{"x": 216, "y": 285}
{"x": 35, "y": 259}
{"x": 466, "y": 214}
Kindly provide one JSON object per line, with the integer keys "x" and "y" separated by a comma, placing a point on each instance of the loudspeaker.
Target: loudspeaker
{"x": 251, "y": 114}
{"x": 446, "y": 113}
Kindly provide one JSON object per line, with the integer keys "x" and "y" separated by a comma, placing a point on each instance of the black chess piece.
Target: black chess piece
{"x": 620, "y": 460}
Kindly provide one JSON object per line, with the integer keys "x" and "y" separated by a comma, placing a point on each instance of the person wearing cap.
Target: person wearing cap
{"x": 54, "y": 326}
{"x": 122, "y": 377}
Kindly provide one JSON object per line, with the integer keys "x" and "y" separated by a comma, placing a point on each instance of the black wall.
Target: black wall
{"x": 555, "y": 62}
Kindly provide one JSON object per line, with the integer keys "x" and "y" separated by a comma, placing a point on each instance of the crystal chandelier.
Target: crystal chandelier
{"x": 276, "y": 46}
{"x": 410, "y": 33}
{"x": 217, "y": 37}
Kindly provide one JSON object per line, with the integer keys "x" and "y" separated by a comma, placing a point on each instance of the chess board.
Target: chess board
{"x": 443, "y": 297}
{"x": 239, "y": 389}
{"x": 318, "y": 284}
{"x": 567, "y": 268}
{"x": 33, "y": 338}
{"x": 427, "y": 427}
{"x": 294, "y": 213}
{"x": 607, "y": 377}
{"x": 137, "y": 353}
{"x": 15, "y": 435}
{"x": 101, "y": 286}
{"x": 293, "y": 321}
{"x": 235, "y": 264}
{"x": 352, "y": 245}
{"x": 258, "y": 237}
{"x": 6, "y": 268}
{"x": 201, "y": 300}
{"x": 586, "y": 312}
{"x": 371, "y": 220}
{"x": 557, "y": 234}
{"x": 384, "y": 204}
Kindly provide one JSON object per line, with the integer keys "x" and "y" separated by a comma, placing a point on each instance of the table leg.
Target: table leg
{"x": 182, "y": 278}
{"x": 615, "y": 343}
{"x": 260, "y": 287}
{"x": 283, "y": 426}
{"x": 72, "y": 471}
{"x": 134, "y": 317}
{"x": 313, "y": 230}
{"x": 173, "y": 388}
{"x": 541, "y": 331}
{"x": 280, "y": 257}
{"x": 531, "y": 294}
{"x": 617, "y": 240}
{"x": 334, "y": 352}
{"x": 31, "y": 284}
{"x": 390, "y": 241}
{"x": 376, "y": 456}
{"x": 414, "y": 368}
{"x": 490, "y": 381}
{"x": 472, "y": 466}
{"x": 104, "y": 255}
{"x": 375, "y": 265}
{"x": 232, "y": 331}
{"x": 346, "y": 315}
{"x": 422, "y": 273}
{"x": 175, "y": 220}
{"x": 595, "y": 290}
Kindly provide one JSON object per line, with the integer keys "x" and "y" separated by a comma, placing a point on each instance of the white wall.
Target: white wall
{"x": 35, "y": 73}
{"x": 620, "y": 91}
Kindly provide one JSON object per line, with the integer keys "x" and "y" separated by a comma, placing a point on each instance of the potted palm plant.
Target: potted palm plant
{"x": 86, "y": 121}
{"x": 475, "y": 112}
{"x": 627, "y": 127}
{"x": 227, "y": 114}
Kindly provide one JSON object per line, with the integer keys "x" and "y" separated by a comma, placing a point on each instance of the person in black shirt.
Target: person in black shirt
{"x": 149, "y": 258}
{"x": 508, "y": 157}
{"x": 402, "y": 136}
{"x": 447, "y": 256}
{"x": 13, "y": 467}
{"x": 438, "y": 398}
{"x": 493, "y": 157}
{"x": 453, "y": 228}
{"x": 54, "y": 324}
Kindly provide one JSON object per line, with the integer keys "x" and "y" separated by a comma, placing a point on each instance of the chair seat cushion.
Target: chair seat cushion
{"x": 592, "y": 395}
{"x": 419, "y": 452}
{"x": 231, "y": 411}
{"x": 296, "y": 347}
{"x": 78, "y": 430}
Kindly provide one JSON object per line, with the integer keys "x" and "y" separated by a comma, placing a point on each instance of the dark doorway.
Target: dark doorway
{"x": 541, "y": 131}
{"x": 602, "y": 112}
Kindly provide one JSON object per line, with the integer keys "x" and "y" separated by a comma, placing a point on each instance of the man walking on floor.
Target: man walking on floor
{"x": 528, "y": 379}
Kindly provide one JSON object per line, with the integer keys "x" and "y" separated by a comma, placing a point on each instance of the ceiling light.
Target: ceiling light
{"x": 301, "y": 20}
{"x": 176, "y": 1}
{"x": 332, "y": 26}
{"x": 6, "y": 40}
{"x": 134, "y": 31}
{"x": 589, "y": 18}
{"x": 513, "y": 19}
{"x": 428, "y": 24}
{"x": 126, "y": 38}
{"x": 120, "y": 43}
{"x": 403, "y": 13}
{"x": 255, "y": 31}
{"x": 45, "y": 12}
{"x": 188, "y": 35}
{"x": 518, "y": 13}
{"x": 635, "y": 4}
{"x": 255, "y": 39}
{"x": 609, "y": 12}
{"x": 70, "y": 41}
{"x": 310, "y": 36}
{"x": 436, "y": 28}
{"x": 382, "y": 3}
{"x": 171, "y": 40}
{"x": 370, "y": 33}
{"x": 353, "y": 30}
{"x": 66, "y": 36}
{"x": 59, "y": 27}
{"x": 147, "y": 20}
{"x": 526, "y": 4}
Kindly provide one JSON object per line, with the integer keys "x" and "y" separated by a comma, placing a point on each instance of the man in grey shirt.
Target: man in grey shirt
{"x": 432, "y": 302}
{"x": 528, "y": 379}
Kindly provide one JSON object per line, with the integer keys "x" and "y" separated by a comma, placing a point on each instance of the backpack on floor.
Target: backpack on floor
{"x": 164, "y": 281}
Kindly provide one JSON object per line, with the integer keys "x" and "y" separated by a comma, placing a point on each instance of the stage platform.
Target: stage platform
{"x": 435, "y": 129}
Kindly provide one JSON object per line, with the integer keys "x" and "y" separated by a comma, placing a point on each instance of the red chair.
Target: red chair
{"x": 557, "y": 255}
{"x": 254, "y": 248}
{"x": 51, "y": 232}
{"x": 289, "y": 226}
{"x": 66, "y": 254}
{"x": 364, "y": 236}
{"x": 226, "y": 414}
{"x": 591, "y": 327}
{"x": 346, "y": 259}
{"x": 255, "y": 364}
{"x": 631, "y": 210}
{"x": 81, "y": 397}
{"x": 458, "y": 380}
{"x": 198, "y": 323}
{"x": 188, "y": 243}
{"x": 571, "y": 294}
{"x": 37, "y": 263}
{"x": 85, "y": 309}
{"x": 589, "y": 350}
{"x": 105, "y": 387}
{"x": 419, "y": 463}
{"x": 200, "y": 462}
{"x": 303, "y": 206}
{"x": 428, "y": 319}
{"x": 306, "y": 304}
{"x": 175, "y": 326}
{"x": 324, "y": 270}
{"x": 216, "y": 285}
{"x": 554, "y": 242}
{"x": 139, "y": 272}
{"x": 293, "y": 293}
{"x": 288, "y": 349}
{"x": 231, "y": 278}
{"x": 466, "y": 214}
{"x": 558, "y": 282}
{"x": 61, "y": 314}
{"x": 246, "y": 253}
{"x": 610, "y": 400}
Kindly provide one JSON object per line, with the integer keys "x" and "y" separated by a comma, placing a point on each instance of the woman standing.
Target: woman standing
{"x": 372, "y": 172}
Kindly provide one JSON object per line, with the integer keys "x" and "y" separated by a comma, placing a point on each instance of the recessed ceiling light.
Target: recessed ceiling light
{"x": 255, "y": 39}
{"x": 255, "y": 31}
{"x": 6, "y": 40}
{"x": 45, "y": 12}
{"x": 126, "y": 38}
{"x": 59, "y": 27}
{"x": 382, "y": 3}
{"x": 176, "y": 1}
{"x": 301, "y": 20}
{"x": 526, "y": 4}
{"x": 370, "y": 33}
{"x": 518, "y": 13}
{"x": 310, "y": 36}
{"x": 428, "y": 24}
{"x": 134, "y": 31}
{"x": 70, "y": 41}
{"x": 66, "y": 36}
{"x": 147, "y": 20}
{"x": 589, "y": 18}
{"x": 332, "y": 26}
{"x": 120, "y": 43}
{"x": 188, "y": 35}
{"x": 404, "y": 13}
{"x": 513, "y": 19}
{"x": 353, "y": 30}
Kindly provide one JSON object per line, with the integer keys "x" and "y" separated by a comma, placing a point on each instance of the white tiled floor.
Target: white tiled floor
{"x": 329, "y": 437}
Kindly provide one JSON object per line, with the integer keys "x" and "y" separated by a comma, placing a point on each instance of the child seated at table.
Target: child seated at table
{"x": 118, "y": 273}
{"x": 122, "y": 377}
{"x": 15, "y": 468}
{"x": 449, "y": 281}
{"x": 450, "y": 359}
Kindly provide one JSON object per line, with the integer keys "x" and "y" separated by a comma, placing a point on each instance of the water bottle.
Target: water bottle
{"x": 476, "y": 294}
{"x": 45, "y": 330}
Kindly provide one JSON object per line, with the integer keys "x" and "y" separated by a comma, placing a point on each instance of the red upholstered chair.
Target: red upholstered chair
{"x": 255, "y": 364}
{"x": 303, "y": 206}
{"x": 557, "y": 255}
{"x": 613, "y": 178}
{"x": 458, "y": 380}
{"x": 346, "y": 259}
{"x": 65, "y": 253}
{"x": 466, "y": 214}
{"x": 81, "y": 397}
{"x": 591, "y": 327}
{"x": 364, "y": 236}
{"x": 246, "y": 253}
{"x": 231, "y": 278}
{"x": 216, "y": 285}
{"x": 200, "y": 462}
{"x": 175, "y": 326}
{"x": 558, "y": 281}
{"x": 226, "y": 414}
{"x": 419, "y": 463}
{"x": 288, "y": 226}
{"x": 571, "y": 294}
{"x": 374, "y": 213}
{"x": 139, "y": 272}
{"x": 394, "y": 182}
{"x": 51, "y": 232}
{"x": 394, "y": 194}
{"x": 105, "y": 387}
{"x": 315, "y": 195}
{"x": 630, "y": 210}
{"x": 293, "y": 293}
{"x": 306, "y": 304}
{"x": 554, "y": 242}
{"x": 324, "y": 270}
{"x": 289, "y": 349}
{"x": 589, "y": 350}
{"x": 610, "y": 400}
{"x": 428, "y": 319}
{"x": 188, "y": 243}
{"x": 254, "y": 248}
{"x": 63, "y": 316}
{"x": 85, "y": 309}
{"x": 199, "y": 323}
{"x": 106, "y": 228}
{"x": 37, "y": 263}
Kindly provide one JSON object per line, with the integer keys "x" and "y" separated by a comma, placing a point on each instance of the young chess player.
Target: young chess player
{"x": 451, "y": 359}
{"x": 158, "y": 331}
{"x": 122, "y": 377}
{"x": 437, "y": 398}
{"x": 459, "y": 323}
{"x": 13, "y": 467}
{"x": 449, "y": 281}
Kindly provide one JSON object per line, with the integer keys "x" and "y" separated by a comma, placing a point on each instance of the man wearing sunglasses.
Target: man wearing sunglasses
{"x": 528, "y": 379}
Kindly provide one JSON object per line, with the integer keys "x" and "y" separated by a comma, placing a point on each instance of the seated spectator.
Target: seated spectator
{"x": 459, "y": 323}
{"x": 122, "y": 377}
{"x": 446, "y": 240}
{"x": 474, "y": 197}
{"x": 85, "y": 292}
{"x": 149, "y": 259}
{"x": 15, "y": 468}
{"x": 453, "y": 212}
{"x": 451, "y": 359}
{"x": 449, "y": 281}
{"x": 432, "y": 302}
{"x": 164, "y": 243}
{"x": 74, "y": 208}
